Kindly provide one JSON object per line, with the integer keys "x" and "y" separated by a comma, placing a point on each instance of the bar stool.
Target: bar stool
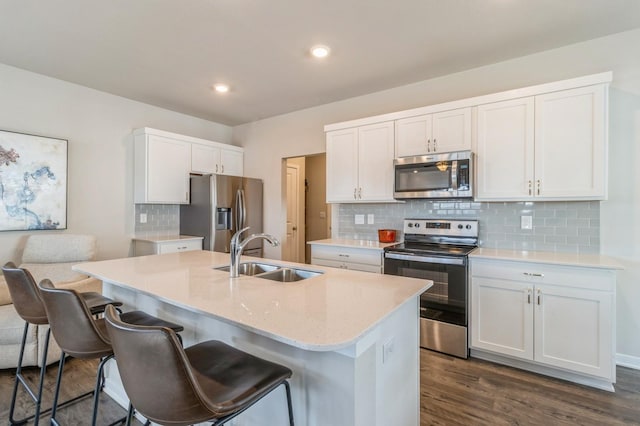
{"x": 28, "y": 304}
{"x": 210, "y": 381}
{"x": 81, "y": 335}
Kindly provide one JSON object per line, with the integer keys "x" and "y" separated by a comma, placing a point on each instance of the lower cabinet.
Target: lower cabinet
{"x": 144, "y": 247}
{"x": 353, "y": 258}
{"x": 561, "y": 317}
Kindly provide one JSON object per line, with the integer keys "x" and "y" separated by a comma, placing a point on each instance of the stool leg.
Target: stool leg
{"x": 43, "y": 370}
{"x": 289, "y": 406}
{"x": 54, "y": 407}
{"x": 18, "y": 377}
{"x": 96, "y": 396}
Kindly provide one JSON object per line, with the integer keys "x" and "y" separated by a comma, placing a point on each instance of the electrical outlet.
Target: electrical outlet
{"x": 526, "y": 222}
{"x": 370, "y": 219}
{"x": 143, "y": 218}
{"x": 359, "y": 219}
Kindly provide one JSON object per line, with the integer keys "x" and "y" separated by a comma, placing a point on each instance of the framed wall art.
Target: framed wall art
{"x": 33, "y": 182}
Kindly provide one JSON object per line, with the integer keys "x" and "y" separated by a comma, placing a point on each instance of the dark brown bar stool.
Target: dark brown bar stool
{"x": 28, "y": 303}
{"x": 81, "y": 335}
{"x": 210, "y": 381}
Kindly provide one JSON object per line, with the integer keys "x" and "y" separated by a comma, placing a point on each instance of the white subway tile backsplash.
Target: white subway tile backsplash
{"x": 557, "y": 226}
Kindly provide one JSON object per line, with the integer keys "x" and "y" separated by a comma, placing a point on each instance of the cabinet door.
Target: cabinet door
{"x": 505, "y": 150}
{"x": 342, "y": 165}
{"x": 231, "y": 162}
{"x": 451, "y": 130}
{"x": 502, "y": 317}
{"x": 573, "y": 329}
{"x": 204, "y": 159}
{"x": 413, "y": 136}
{"x": 375, "y": 162}
{"x": 570, "y": 143}
{"x": 168, "y": 166}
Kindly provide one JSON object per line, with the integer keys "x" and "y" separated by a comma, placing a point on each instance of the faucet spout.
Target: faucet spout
{"x": 237, "y": 246}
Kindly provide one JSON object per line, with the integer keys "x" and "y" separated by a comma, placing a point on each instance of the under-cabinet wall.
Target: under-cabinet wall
{"x": 572, "y": 227}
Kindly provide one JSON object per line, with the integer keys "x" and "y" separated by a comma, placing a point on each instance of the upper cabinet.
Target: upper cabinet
{"x": 162, "y": 168}
{"x": 434, "y": 133}
{"x": 546, "y": 147}
{"x": 360, "y": 164}
{"x": 217, "y": 160}
{"x": 164, "y": 160}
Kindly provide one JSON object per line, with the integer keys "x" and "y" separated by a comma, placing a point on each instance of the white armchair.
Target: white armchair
{"x": 45, "y": 256}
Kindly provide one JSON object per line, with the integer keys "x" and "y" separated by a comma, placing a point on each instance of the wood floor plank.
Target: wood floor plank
{"x": 453, "y": 392}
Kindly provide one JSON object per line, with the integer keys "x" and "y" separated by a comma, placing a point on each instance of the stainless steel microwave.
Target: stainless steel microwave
{"x": 447, "y": 175}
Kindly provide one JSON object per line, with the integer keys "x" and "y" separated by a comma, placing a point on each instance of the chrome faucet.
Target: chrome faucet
{"x": 237, "y": 246}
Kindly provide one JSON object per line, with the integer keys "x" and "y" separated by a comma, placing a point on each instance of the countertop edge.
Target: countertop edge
{"x": 553, "y": 258}
{"x": 345, "y": 242}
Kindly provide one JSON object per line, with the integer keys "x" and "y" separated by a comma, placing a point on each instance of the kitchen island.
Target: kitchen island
{"x": 351, "y": 338}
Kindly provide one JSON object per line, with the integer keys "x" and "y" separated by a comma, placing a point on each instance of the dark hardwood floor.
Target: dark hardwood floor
{"x": 453, "y": 392}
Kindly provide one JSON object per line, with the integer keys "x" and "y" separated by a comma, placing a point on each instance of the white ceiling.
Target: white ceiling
{"x": 169, "y": 53}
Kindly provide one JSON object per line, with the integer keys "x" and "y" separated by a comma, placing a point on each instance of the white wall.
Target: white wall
{"x": 301, "y": 133}
{"x": 100, "y": 168}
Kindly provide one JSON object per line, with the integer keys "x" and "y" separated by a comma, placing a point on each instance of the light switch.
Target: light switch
{"x": 323, "y": 215}
{"x": 359, "y": 219}
{"x": 526, "y": 222}
{"x": 370, "y": 219}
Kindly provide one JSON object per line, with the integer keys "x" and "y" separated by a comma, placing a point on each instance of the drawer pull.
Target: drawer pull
{"x": 528, "y": 296}
{"x": 343, "y": 255}
{"x": 539, "y": 292}
{"x": 533, "y": 274}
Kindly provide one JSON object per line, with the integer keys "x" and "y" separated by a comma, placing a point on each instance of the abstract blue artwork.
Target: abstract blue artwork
{"x": 33, "y": 182}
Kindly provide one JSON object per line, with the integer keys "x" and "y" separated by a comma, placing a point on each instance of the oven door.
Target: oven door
{"x": 446, "y": 300}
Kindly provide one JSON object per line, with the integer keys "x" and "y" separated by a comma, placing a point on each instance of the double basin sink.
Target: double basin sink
{"x": 282, "y": 274}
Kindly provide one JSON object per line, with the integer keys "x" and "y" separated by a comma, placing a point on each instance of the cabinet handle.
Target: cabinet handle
{"x": 222, "y": 168}
{"x": 216, "y": 168}
{"x": 538, "y": 182}
{"x": 360, "y": 193}
{"x": 533, "y": 274}
{"x": 355, "y": 192}
{"x": 528, "y": 296}
{"x": 539, "y": 292}
{"x": 343, "y": 255}
{"x": 428, "y": 145}
{"x": 530, "y": 187}
{"x": 435, "y": 145}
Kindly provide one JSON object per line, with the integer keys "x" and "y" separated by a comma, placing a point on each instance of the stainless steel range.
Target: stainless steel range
{"x": 437, "y": 250}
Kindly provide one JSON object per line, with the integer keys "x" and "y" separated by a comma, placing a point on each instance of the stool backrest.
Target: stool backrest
{"x": 24, "y": 294}
{"x": 74, "y": 328}
{"x": 155, "y": 372}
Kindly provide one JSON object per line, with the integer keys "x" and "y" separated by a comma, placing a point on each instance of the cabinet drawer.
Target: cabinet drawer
{"x": 376, "y": 269}
{"x": 538, "y": 273}
{"x": 347, "y": 254}
{"x": 177, "y": 246}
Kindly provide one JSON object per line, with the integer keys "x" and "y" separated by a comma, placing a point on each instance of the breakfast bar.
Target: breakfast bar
{"x": 351, "y": 338}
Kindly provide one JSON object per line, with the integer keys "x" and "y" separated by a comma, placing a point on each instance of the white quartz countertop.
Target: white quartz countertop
{"x": 323, "y": 313}
{"x": 570, "y": 259}
{"x": 341, "y": 242}
{"x": 164, "y": 238}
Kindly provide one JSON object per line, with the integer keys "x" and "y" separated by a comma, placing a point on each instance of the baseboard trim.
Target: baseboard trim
{"x": 628, "y": 361}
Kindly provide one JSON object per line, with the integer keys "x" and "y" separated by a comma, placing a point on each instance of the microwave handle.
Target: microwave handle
{"x": 454, "y": 174}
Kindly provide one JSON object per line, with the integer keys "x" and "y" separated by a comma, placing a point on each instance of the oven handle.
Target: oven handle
{"x": 425, "y": 259}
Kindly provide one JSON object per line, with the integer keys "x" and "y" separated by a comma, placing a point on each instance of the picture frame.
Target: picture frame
{"x": 33, "y": 182}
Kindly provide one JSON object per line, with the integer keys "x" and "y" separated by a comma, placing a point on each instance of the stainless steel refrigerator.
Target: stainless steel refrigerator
{"x": 220, "y": 205}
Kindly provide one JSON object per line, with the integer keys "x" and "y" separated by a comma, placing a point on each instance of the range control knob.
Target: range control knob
{"x": 410, "y": 225}
{"x": 459, "y": 226}
{"x": 468, "y": 226}
{"x": 417, "y": 225}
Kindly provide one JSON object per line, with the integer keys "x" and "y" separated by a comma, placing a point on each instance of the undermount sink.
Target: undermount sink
{"x": 271, "y": 272}
{"x": 287, "y": 275}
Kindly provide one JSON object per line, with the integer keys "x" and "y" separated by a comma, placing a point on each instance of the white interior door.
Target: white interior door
{"x": 293, "y": 214}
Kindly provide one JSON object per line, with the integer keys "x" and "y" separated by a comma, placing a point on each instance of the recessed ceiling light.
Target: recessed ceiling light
{"x": 221, "y": 88}
{"x": 320, "y": 51}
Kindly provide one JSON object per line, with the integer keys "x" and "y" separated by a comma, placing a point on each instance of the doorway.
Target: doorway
{"x": 308, "y": 216}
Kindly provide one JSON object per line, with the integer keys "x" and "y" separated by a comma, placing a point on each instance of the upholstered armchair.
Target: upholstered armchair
{"x": 45, "y": 256}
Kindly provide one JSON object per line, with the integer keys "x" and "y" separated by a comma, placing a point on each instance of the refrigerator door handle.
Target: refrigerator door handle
{"x": 243, "y": 209}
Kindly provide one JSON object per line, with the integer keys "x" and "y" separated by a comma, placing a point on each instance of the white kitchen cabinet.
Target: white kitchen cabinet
{"x": 162, "y": 166}
{"x": 360, "y": 164}
{"x": 555, "y": 316}
{"x": 160, "y": 245}
{"x": 216, "y": 160}
{"x": 444, "y": 131}
{"x": 546, "y": 147}
{"x": 353, "y": 258}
